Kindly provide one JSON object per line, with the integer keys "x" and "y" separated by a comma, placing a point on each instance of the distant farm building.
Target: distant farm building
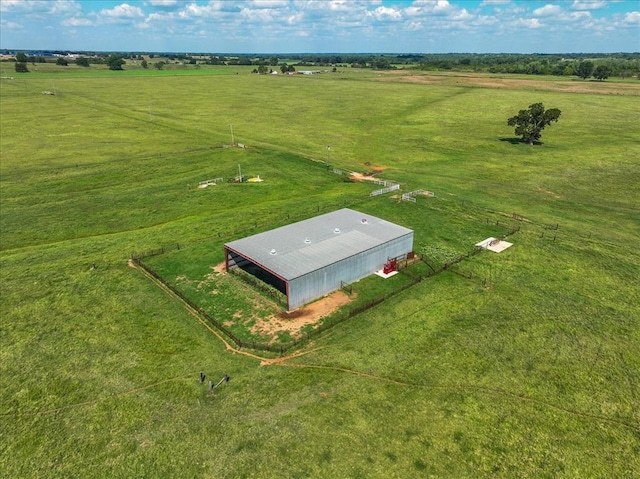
{"x": 314, "y": 257}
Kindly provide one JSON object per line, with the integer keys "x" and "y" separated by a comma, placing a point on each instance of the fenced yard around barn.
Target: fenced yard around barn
{"x": 252, "y": 314}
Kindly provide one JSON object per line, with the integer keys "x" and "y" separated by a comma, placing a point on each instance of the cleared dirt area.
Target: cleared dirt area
{"x": 293, "y": 321}
{"x": 369, "y": 174}
{"x": 471, "y": 80}
{"x": 288, "y": 321}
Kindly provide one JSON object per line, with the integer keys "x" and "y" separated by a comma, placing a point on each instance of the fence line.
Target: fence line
{"x": 212, "y": 181}
{"x": 254, "y": 282}
{"x": 388, "y": 189}
{"x": 186, "y": 300}
{"x": 384, "y": 183}
{"x": 272, "y": 222}
{"x": 410, "y": 196}
{"x": 329, "y": 323}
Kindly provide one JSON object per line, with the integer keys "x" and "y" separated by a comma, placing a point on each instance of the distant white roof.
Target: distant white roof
{"x": 297, "y": 249}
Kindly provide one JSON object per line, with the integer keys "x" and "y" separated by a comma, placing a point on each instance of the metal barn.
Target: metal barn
{"x": 311, "y": 258}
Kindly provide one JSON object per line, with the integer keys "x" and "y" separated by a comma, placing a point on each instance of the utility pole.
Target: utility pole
{"x": 328, "y": 154}
{"x": 232, "y": 141}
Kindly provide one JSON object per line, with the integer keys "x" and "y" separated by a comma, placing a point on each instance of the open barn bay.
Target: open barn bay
{"x": 519, "y": 364}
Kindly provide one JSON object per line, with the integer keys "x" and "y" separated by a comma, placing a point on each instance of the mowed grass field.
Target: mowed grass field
{"x": 534, "y": 372}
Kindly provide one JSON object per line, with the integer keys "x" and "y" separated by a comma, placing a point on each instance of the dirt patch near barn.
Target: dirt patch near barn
{"x": 220, "y": 268}
{"x": 293, "y": 321}
{"x": 373, "y": 170}
{"x": 369, "y": 174}
{"x": 472, "y": 80}
{"x": 361, "y": 177}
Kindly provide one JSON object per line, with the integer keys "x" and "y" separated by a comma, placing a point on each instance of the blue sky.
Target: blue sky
{"x": 322, "y": 26}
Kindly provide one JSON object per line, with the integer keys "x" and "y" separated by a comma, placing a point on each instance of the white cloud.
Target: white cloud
{"x": 442, "y": 7}
{"x": 527, "y": 23}
{"x": 413, "y": 26}
{"x": 268, "y": 3}
{"x": 631, "y": 18}
{"x": 296, "y": 18}
{"x": 485, "y": 20}
{"x": 19, "y": 5}
{"x": 195, "y": 10}
{"x": 547, "y": 11}
{"x": 163, "y": 3}
{"x": 76, "y": 22}
{"x": 488, "y": 3}
{"x": 582, "y": 15}
{"x": 430, "y": 8}
{"x": 588, "y": 4}
{"x": 265, "y": 15}
{"x": 11, "y": 25}
{"x": 339, "y": 6}
{"x": 462, "y": 15}
{"x": 331, "y": 25}
{"x": 122, "y": 11}
{"x": 65, "y": 6}
{"x": 39, "y": 6}
{"x": 385, "y": 13}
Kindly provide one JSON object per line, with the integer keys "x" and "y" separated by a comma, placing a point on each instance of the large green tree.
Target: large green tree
{"x": 584, "y": 69}
{"x": 529, "y": 123}
{"x": 115, "y": 62}
{"x": 602, "y": 72}
{"x": 82, "y": 61}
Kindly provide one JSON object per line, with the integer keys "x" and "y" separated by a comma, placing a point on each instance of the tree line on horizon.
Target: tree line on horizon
{"x": 583, "y": 65}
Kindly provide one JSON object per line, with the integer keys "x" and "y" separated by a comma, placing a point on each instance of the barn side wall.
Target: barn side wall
{"x": 316, "y": 284}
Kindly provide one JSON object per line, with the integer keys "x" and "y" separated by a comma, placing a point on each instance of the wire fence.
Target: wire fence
{"x": 268, "y": 221}
{"x": 347, "y": 312}
{"x": 328, "y": 323}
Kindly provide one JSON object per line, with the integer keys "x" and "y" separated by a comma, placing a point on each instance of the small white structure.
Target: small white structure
{"x": 494, "y": 244}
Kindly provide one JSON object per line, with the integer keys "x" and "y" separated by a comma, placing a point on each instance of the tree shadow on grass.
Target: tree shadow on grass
{"x": 519, "y": 141}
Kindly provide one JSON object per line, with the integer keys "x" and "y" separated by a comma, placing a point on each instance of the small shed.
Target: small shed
{"x": 311, "y": 258}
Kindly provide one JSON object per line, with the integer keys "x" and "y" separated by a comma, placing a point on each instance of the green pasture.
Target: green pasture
{"x": 519, "y": 364}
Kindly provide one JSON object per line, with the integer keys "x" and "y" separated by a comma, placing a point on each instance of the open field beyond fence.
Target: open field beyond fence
{"x": 524, "y": 363}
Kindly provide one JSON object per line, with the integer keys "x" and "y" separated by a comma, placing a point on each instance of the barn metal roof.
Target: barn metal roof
{"x": 299, "y": 248}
